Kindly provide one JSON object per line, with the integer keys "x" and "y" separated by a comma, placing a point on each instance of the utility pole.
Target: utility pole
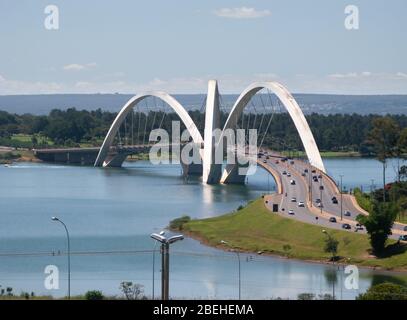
{"x": 320, "y": 189}
{"x": 239, "y": 268}
{"x": 341, "y": 198}
{"x": 310, "y": 184}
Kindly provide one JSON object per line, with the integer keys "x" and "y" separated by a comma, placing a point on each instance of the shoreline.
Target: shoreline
{"x": 253, "y": 230}
{"x": 205, "y": 242}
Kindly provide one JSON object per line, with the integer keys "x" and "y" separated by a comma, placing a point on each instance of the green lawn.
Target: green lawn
{"x": 255, "y": 228}
{"x": 324, "y": 154}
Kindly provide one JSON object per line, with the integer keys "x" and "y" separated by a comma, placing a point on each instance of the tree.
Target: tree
{"x": 306, "y": 296}
{"x": 94, "y": 295}
{"x": 331, "y": 246}
{"x": 383, "y": 137}
{"x": 132, "y": 291}
{"x": 403, "y": 173}
{"x": 379, "y": 223}
{"x": 384, "y": 291}
{"x": 401, "y": 151}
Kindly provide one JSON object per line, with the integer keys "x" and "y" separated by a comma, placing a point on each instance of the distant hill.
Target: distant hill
{"x": 323, "y": 104}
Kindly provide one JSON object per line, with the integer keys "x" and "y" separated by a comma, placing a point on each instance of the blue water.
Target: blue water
{"x": 110, "y": 214}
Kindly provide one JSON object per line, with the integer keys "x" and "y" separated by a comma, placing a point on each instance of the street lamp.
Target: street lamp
{"x": 238, "y": 259}
{"x": 321, "y": 187}
{"x": 333, "y": 265}
{"x": 165, "y": 260}
{"x": 69, "y": 255}
{"x": 155, "y": 244}
{"x": 341, "y": 175}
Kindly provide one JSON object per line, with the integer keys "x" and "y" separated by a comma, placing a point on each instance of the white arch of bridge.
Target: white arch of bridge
{"x": 133, "y": 102}
{"x": 288, "y": 101}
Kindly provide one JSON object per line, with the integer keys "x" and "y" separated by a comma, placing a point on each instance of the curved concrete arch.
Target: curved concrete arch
{"x": 171, "y": 101}
{"x": 293, "y": 109}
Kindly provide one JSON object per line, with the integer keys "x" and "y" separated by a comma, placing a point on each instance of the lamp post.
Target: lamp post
{"x": 333, "y": 265}
{"x": 321, "y": 187}
{"x": 341, "y": 197}
{"x": 155, "y": 244}
{"x": 310, "y": 184}
{"x": 165, "y": 261}
{"x": 238, "y": 259}
{"x": 69, "y": 254}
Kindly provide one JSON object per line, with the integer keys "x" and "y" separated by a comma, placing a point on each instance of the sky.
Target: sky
{"x": 129, "y": 46}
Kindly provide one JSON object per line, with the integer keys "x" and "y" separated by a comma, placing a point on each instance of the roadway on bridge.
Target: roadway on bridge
{"x": 292, "y": 194}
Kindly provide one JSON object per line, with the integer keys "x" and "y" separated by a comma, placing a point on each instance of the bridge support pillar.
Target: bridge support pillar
{"x": 231, "y": 174}
{"x": 212, "y": 172}
{"x": 115, "y": 161}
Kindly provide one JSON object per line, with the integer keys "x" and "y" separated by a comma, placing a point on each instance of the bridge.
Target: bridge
{"x": 304, "y": 190}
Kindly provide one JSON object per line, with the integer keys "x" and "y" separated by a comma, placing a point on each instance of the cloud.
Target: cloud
{"x": 343, "y": 75}
{"x": 79, "y": 67}
{"x": 241, "y": 13}
{"x": 337, "y": 83}
{"x": 9, "y": 86}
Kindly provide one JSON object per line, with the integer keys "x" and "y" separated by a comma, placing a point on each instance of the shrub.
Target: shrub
{"x": 384, "y": 291}
{"x": 178, "y": 223}
{"x": 94, "y": 295}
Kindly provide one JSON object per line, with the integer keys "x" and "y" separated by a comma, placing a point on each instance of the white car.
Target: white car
{"x": 288, "y": 174}
{"x": 293, "y": 199}
{"x": 301, "y": 204}
{"x": 291, "y": 212}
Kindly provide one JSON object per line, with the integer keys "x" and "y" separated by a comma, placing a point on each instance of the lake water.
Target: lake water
{"x": 110, "y": 214}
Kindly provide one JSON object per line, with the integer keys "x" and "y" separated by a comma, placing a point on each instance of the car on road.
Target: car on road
{"x": 301, "y": 204}
{"x": 291, "y": 212}
{"x": 332, "y": 219}
{"x": 306, "y": 170}
{"x": 284, "y": 173}
{"x": 403, "y": 237}
{"x": 292, "y": 182}
{"x": 277, "y": 162}
{"x": 293, "y": 199}
{"x": 320, "y": 205}
{"x": 267, "y": 157}
{"x": 318, "y": 200}
{"x": 315, "y": 178}
{"x": 264, "y": 161}
{"x": 347, "y": 214}
{"x": 334, "y": 200}
{"x": 346, "y": 226}
{"x": 288, "y": 174}
{"x": 304, "y": 174}
{"x": 313, "y": 171}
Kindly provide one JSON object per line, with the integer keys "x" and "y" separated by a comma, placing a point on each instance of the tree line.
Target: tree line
{"x": 337, "y": 132}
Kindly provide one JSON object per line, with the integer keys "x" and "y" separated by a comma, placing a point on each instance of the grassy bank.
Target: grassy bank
{"x": 325, "y": 154}
{"x": 254, "y": 228}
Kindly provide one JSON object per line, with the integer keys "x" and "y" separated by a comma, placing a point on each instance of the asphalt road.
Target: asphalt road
{"x": 299, "y": 192}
